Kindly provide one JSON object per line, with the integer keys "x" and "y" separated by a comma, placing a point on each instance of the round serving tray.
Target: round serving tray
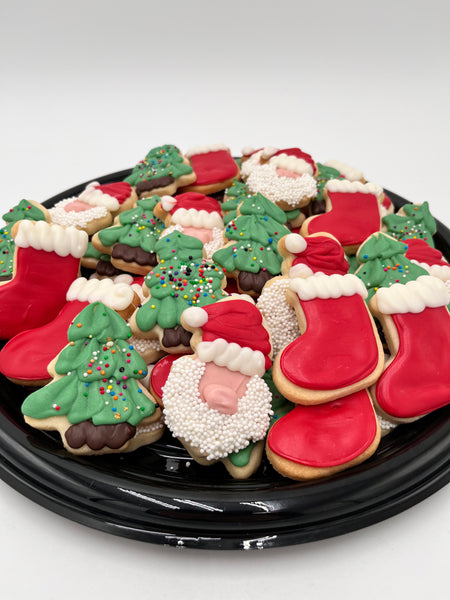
{"x": 159, "y": 494}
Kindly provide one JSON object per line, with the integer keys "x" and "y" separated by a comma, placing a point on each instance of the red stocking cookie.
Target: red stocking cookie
{"x": 353, "y": 213}
{"x": 416, "y": 323}
{"x": 316, "y": 441}
{"x": 25, "y": 358}
{"x": 339, "y": 351}
{"x": 216, "y": 401}
{"x": 47, "y": 260}
{"x": 214, "y": 168}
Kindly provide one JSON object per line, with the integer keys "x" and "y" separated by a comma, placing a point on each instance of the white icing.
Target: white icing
{"x": 292, "y": 163}
{"x": 167, "y": 203}
{"x": 60, "y": 216}
{"x": 94, "y": 196}
{"x": 41, "y": 235}
{"x": 115, "y": 295}
{"x": 247, "y": 150}
{"x": 251, "y": 164}
{"x": 300, "y": 270}
{"x": 268, "y": 151}
{"x": 352, "y": 187}
{"x": 324, "y": 286}
{"x": 197, "y": 218}
{"x": 350, "y": 173}
{"x": 215, "y": 244}
{"x": 295, "y": 243}
{"x": 195, "y": 316}
{"x": 413, "y": 297}
{"x": 213, "y": 433}
{"x": 440, "y": 271}
{"x": 293, "y": 191}
{"x": 206, "y": 149}
{"x": 234, "y": 357}
{"x": 279, "y": 315}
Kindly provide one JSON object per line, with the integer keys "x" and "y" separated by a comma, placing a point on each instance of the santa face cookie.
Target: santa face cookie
{"x": 163, "y": 171}
{"x": 95, "y": 400}
{"x": 216, "y": 401}
{"x": 214, "y": 168}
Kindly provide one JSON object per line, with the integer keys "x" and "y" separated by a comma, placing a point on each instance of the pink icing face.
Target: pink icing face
{"x": 287, "y": 173}
{"x": 204, "y": 235}
{"x": 77, "y": 206}
{"x": 221, "y": 388}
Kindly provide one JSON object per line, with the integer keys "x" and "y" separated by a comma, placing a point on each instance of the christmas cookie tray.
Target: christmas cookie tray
{"x": 159, "y": 494}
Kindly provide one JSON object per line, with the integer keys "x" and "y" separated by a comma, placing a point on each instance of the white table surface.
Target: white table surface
{"x": 88, "y": 88}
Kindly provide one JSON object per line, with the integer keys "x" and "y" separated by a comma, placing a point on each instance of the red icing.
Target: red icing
{"x": 37, "y": 292}
{"x": 353, "y": 217}
{"x": 298, "y": 154}
{"x": 387, "y": 202}
{"x": 418, "y": 379}
{"x": 419, "y": 250}
{"x": 338, "y": 348}
{"x": 120, "y": 190}
{"x": 326, "y": 435}
{"x": 213, "y": 167}
{"x": 27, "y": 355}
{"x": 237, "y": 321}
{"x": 196, "y": 201}
{"x": 160, "y": 373}
{"x": 323, "y": 254}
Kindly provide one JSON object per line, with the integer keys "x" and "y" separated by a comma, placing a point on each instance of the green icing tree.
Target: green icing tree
{"x": 100, "y": 372}
{"x": 178, "y": 247}
{"x": 255, "y": 234}
{"x": 138, "y": 227}
{"x": 27, "y": 210}
{"x": 384, "y": 263}
{"x": 413, "y": 221}
{"x": 174, "y": 286}
{"x": 162, "y": 161}
{"x": 235, "y": 194}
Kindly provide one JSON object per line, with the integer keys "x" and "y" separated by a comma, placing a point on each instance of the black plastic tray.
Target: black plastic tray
{"x": 159, "y": 494}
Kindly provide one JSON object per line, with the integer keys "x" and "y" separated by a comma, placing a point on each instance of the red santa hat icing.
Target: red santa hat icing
{"x": 192, "y": 209}
{"x": 233, "y": 335}
{"x": 314, "y": 254}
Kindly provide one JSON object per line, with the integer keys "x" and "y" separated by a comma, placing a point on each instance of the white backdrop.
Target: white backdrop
{"x": 89, "y": 88}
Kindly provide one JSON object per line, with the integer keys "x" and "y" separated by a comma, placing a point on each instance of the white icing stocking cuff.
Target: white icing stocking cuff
{"x": 353, "y": 187}
{"x": 350, "y": 173}
{"x": 413, "y": 297}
{"x": 40, "y": 235}
{"x": 324, "y": 286}
{"x": 117, "y": 296}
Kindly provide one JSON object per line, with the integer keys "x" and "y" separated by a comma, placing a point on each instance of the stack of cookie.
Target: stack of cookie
{"x": 266, "y": 303}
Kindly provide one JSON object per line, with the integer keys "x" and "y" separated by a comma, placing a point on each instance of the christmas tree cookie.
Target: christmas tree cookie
{"x": 162, "y": 171}
{"x": 95, "y": 400}
{"x": 412, "y": 221}
{"x": 251, "y": 256}
{"x": 131, "y": 240}
{"x": 24, "y": 210}
{"x": 383, "y": 263}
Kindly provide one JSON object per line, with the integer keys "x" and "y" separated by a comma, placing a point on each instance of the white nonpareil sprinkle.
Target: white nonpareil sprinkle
{"x": 265, "y": 180}
{"x": 214, "y": 434}
{"x": 60, "y": 216}
{"x": 278, "y": 314}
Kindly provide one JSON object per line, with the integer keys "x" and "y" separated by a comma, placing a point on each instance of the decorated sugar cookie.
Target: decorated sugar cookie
{"x": 416, "y": 324}
{"x": 163, "y": 171}
{"x": 95, "y": 400}
{"x": 196, "y": 215}
{"x": 311, "y": 442}
{"x": 339, "y": 351}
{"x": 46, "y": 261}
{"x": 352, "y": 213}
{"x": 411, "y": 222}
{"x": 25, "y": 358}
{"x": 216, "y": 401}
{"x": 214, "y": 168}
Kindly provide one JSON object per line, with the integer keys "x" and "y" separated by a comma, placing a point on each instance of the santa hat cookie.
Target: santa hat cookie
{"x": 216, "y": 401}
{"x": 416, "y": 323}
{"x": 304, "y": 256}
{"x": 214, "y": 168}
